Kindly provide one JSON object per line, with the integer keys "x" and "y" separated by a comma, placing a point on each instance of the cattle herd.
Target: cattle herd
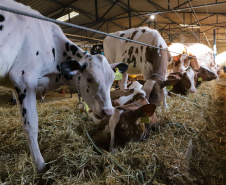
{"x": 36, "y": 57}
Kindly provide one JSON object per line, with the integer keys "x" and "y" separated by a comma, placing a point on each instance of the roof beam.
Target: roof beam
{"x": 157, "y": 8}
{"x": 72, "y": 7}
{"x": 173, "y": 11}
{"x": 202, "y": 19}
{"x": 109, "y": 9}
{"x": 181, "y": 4}
{"x": 124, "y": 7}
{"x": 90, "y": 16}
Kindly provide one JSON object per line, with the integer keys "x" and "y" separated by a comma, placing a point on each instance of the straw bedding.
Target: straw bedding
{"x": 189, "y": 143}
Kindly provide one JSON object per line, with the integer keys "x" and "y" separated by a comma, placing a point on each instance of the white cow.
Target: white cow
{"x": 205, "y": 56}
{"x": 32, "y": 52}
{"x": 221, "y": 59}
{"x": 149, "y": 61}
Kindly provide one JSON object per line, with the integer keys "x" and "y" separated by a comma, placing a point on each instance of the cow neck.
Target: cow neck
{"x": 183, "y": 86}
{"x": 78, "y": 88}
{"x": 139, "y": 102}
{"x": 158, "y": 75}
{"x": 180, "y": 88}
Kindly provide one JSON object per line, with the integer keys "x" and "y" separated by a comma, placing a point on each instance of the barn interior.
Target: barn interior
{"x": 177, "y": 20}
{"x": 187, "y": 146}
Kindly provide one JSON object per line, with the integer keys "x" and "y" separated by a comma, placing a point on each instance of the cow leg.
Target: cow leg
{"x": 123, "y": 82}
{"x": 164, "y": 99}
{"x": 25, "y": 91}
{"x": 114, "y": 119}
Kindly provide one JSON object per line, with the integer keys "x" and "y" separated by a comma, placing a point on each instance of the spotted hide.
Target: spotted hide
{"x": 149, "y": 61}
{"x": 35, "y": 56}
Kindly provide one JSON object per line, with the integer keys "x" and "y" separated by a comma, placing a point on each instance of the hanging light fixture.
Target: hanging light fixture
{"x": 152, "y": 17}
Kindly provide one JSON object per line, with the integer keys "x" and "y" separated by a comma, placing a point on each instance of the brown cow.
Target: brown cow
{"x": 188, "y": 81}
{"x": 130, "y": 105}
{"x": 124, "y": 125}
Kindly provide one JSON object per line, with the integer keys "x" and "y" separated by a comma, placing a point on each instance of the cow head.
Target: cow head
{"x": 93, "y": 77}
{"x": 208, "y": 74}
{"x": 128, "y": 127}
{"x": 181, "y": 63}
{"x": 154, "y": 89}
{"x": 187, "y": 79}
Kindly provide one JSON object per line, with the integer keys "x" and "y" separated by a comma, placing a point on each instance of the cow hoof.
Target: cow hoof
{"x": 42, "y": 168}
{"x": 112, "y": 151}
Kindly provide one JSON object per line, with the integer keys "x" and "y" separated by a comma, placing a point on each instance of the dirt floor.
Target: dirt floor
{"x": 189, "y": 143}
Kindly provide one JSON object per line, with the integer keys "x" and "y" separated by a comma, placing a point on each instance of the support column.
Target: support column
{"x": 214, "y": 44}
{"x": 96, "y": 9}
{"x": 129, "y": 14}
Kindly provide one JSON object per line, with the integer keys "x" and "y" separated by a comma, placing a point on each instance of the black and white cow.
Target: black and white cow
{"x": 149, "y": 61}
{"x": 32, "y": 52}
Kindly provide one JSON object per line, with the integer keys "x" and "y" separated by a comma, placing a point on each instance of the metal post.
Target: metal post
{"x": 214, "y": 44}
{"x": 96, "y": 9}
{"x": 184, "y": 18}
{"x": 129, "y": 14}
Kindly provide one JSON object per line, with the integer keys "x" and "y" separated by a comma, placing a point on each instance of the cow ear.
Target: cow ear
{"x": 210, "y": 75}
{"x": 173, "y": 77}
{"x": 168, "y": 83}
{"x": 203, "y": 76}
{"x": 69, "y": 68}
{"x": 147, "y": 109}
{"x": 122, "y": 67}
{"x": 177, "y": 75}
{"x": 141, "y": 82}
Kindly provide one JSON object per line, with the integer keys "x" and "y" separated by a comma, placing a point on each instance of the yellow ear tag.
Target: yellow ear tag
{"x": 170, "y": 87}
{"x": 86, "y": 107}
{"x": 200, "y": 79}
{"x": 118, "y": 75}
{"x": 145, "y": 119}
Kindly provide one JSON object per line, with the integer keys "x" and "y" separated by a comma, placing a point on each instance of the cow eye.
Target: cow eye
{"x": 155, "y": 95}
{"x": 89, "y": 80}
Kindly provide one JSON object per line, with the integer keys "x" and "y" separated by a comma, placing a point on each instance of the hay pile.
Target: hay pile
{"x": 187, "y": 130}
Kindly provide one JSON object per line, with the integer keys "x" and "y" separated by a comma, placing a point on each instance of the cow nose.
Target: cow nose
{"x": 192, "y": 90}
{"x": 107, "y": 111}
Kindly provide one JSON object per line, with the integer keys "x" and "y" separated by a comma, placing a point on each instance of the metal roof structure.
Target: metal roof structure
{"x": 176, "y": 20}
